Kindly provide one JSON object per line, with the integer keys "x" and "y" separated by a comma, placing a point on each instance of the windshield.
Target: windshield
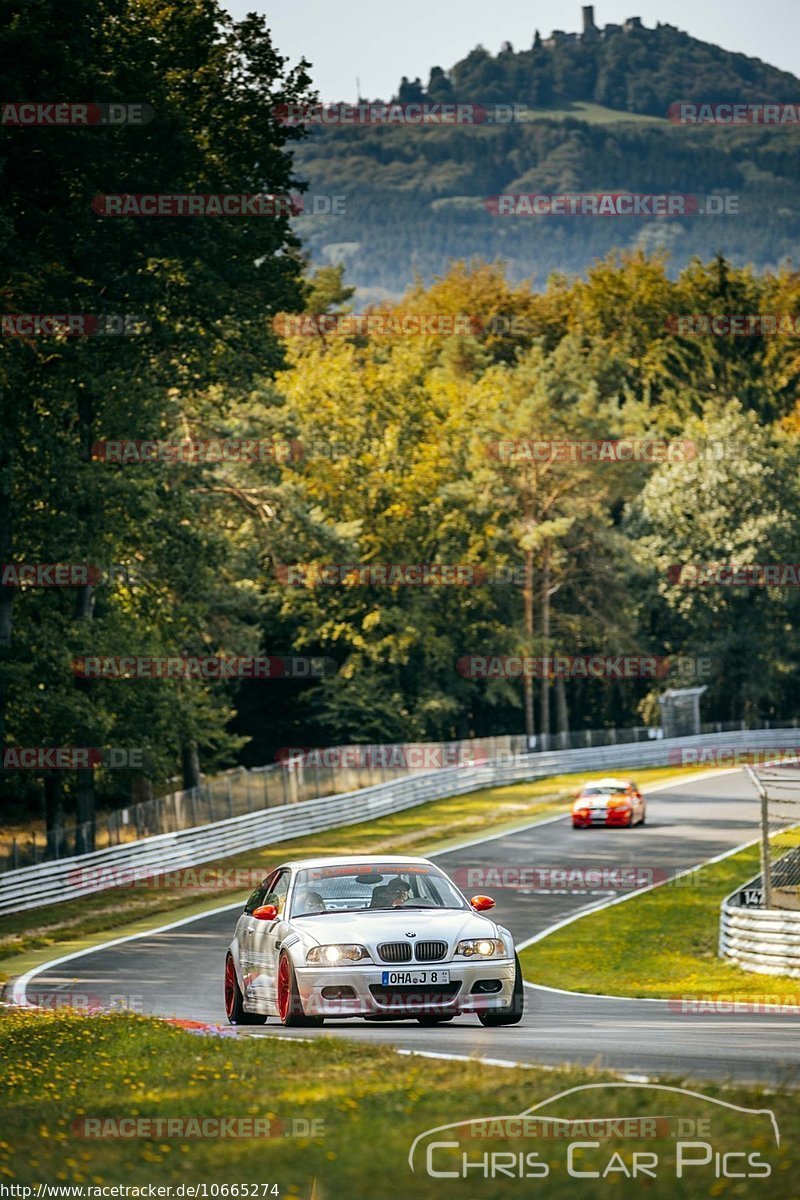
{"x": 604, "y": 791}
{"x": 382, "y": 886}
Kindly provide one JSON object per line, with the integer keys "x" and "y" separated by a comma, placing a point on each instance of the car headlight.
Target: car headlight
{"x": 332, "y": 956}
{"x": 482, "y": 948}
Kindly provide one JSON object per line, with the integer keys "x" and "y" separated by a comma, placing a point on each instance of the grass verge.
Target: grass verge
{"x": 661, "y": 944}
{"x": 368, "y": 1104}
{"x": 25, "y": 938}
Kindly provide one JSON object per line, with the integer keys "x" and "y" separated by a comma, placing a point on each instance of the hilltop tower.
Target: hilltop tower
{"x": 590, "y": 30}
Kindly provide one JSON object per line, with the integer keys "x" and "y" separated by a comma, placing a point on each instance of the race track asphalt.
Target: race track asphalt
{"x": 179, "y": 972}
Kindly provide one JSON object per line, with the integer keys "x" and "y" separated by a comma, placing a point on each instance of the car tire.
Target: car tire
{"x": 644, "y": 814}
{"x": 290, "y": 1007}
{"x": 234, "y": 1001}
{"x": 512, "y": 1014}
{"x": 434, "y": 1020}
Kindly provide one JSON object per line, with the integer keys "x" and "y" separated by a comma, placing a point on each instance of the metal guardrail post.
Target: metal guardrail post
{"x": 766, "y": 866}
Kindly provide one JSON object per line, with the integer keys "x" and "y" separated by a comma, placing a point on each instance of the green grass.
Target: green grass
{"x": 370, "y": 1104}
{"x": 25, "y": 938}
{"x": 661, "y": 944}
{"x": 593, "y": 114}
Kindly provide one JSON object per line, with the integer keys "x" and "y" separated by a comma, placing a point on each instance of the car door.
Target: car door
{"x": 264, "y": 938}
{"x": 246, "y": 924}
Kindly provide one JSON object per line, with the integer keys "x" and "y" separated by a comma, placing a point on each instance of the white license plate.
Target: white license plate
{"x": 599, "y": 814}
{"x": 403, "y": 978}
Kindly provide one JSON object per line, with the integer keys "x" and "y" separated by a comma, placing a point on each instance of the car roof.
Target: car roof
{"x": 353, "y": 860}
{"x": 608, "y": 782}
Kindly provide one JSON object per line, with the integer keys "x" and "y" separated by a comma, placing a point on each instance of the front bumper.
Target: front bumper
{"x": 614, "y": 817}
{"x": 355, "y": 991}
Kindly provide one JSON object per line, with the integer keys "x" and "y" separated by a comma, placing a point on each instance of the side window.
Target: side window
{"x": 256, "y": 898}
{"x": 277, "y": 892}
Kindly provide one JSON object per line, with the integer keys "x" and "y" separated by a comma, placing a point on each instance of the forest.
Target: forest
{"x": 361, "y": 448}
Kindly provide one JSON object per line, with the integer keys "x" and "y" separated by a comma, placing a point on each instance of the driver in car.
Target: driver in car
{"x": 398, "y": 893}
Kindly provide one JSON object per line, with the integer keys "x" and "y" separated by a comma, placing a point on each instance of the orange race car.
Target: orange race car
{"x": 608, "y": 802}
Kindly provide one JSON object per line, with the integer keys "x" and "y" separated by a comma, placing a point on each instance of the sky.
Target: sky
{"x": 378, "y": 43}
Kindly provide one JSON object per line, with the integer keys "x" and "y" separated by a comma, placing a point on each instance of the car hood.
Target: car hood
{"x": 370, "y": 926}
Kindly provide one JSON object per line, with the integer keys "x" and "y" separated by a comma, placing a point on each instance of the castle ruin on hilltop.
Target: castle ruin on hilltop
{"x": 591, "y": 32}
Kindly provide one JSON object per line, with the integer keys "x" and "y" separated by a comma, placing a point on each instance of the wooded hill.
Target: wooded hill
{"x": 416, "y": 197}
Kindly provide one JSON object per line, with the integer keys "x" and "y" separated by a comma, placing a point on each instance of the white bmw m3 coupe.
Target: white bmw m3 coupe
{"x": 380, "y": 938}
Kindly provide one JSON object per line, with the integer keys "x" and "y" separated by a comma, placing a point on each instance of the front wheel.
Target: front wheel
{"x": 234, "y": 1001}
{"x": 512, "y": 1014}
{"x": 290, "y": 1006}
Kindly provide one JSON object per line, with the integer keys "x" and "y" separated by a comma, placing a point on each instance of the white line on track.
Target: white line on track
{"x": 21, "y": 983}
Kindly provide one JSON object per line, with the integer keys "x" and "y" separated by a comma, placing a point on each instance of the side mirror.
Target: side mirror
{"x": 482, "y": 903}
{"x": 267, "y": 912}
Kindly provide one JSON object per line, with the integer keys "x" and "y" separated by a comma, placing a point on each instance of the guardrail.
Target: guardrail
{"x": 66, "y": 879}
{"x": 293, "y": 778}
{"x": 763, "y": 940}
{"x": 70, "y": 878}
